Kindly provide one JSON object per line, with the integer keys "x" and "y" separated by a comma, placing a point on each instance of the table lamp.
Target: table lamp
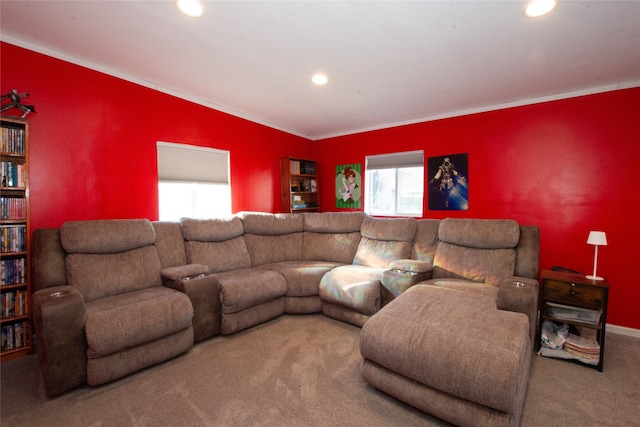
{"x": 596, "y": 238}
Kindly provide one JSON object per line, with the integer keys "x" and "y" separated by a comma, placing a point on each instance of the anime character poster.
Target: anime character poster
{"x": 448, "y": 182}
{"x": 348, "y": 186}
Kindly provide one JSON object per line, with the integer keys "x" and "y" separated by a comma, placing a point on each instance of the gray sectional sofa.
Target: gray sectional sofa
{"x": 114, "y": 296}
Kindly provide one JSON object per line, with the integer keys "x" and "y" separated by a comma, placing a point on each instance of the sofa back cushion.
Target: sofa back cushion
{"x": 426, "y": 240}
{"x": 331, "y": 236}
{"x": 333, "y": 222}
{"x": 528, "y": 252}
{"x": 169, "y": 243}
{"x": 384, "y": 240}
{"x": 110, "y": 257}
{"x": 476, "y": 250}
{"x": 217, "y": 243}
{"x": 48, "y": 265}
{"x": 272, "y": 237}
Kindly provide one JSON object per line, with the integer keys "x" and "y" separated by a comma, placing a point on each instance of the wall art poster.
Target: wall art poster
{"x": 348, "y": 186}
{"x": 448, "y": 182}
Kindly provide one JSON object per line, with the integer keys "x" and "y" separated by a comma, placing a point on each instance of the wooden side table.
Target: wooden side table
{"x": 574, "y": 290}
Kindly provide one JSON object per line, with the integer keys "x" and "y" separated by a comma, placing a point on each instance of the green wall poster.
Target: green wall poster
{"x": 348, "y": 186}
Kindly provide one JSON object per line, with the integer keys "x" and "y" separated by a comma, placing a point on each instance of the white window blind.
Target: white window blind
{"x": 395, "y": 184}
{"x": 181, "y": 162}
{"x": 407, "y": 159}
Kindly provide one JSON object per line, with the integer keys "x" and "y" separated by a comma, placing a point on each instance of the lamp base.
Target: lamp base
{"x": 590, "y": 277}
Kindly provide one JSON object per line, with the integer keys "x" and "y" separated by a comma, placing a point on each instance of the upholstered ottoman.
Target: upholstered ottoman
{"x": 451, "y": 354}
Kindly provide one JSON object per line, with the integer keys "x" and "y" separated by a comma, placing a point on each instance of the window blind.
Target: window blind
{"x": 181, "y": 162}
{"x": 407, "y": 159}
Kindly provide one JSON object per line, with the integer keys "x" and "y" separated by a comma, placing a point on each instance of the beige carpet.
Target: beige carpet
{"x": 304, "y": 370}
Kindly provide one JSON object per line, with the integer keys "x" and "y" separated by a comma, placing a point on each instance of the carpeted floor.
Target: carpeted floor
{"x": 303, "y": 370}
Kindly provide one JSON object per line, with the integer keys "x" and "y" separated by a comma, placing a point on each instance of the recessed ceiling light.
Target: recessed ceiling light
{"x": 319, "y": 79}
{"x": 190, "y": 7}
{"x": 535, "y": 8}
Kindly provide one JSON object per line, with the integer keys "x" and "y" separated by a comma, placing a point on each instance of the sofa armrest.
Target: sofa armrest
{"x": 59, "y": 318}
{"x": 204, "y": 292}
{"x": 184, "y": 272}
{"x": 411, "y": 266}
{"x": 520, "y": 294}
{"x": 403, "y": 274}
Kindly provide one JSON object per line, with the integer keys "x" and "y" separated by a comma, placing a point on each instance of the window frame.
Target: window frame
{"x": 192, "y": 166}
{"x": 396, "y": 162}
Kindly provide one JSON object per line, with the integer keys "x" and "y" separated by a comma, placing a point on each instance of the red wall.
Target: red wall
{"x": 93, "y": 142}
{"x": 567, "y": 166}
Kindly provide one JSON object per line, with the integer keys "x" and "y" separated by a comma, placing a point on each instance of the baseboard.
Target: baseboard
{"x": 623, "y": 330}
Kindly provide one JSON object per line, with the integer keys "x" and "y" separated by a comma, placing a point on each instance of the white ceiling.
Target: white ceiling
{"x": 389, "y": 62}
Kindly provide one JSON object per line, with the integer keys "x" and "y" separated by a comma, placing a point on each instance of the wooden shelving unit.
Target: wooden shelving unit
{"x": 299, "y": 182}
{"x": 560, "y": 289}
{"x": 15, "y": 232}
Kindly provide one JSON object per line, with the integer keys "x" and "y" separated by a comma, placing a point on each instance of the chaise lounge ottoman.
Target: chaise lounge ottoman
{"x": 451, "y": 354}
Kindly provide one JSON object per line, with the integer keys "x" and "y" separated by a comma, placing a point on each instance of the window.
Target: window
{"x": 395, "y": 184}
{"x": 192, "y": 182}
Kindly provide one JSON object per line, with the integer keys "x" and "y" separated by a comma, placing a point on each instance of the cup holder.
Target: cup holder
{"x": 58, "y": 294}
{"x": 518, "y": 284}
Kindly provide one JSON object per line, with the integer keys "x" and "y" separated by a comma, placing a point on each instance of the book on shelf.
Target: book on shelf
{"x": 14, "y": 238}
{"x": 14, "y": 336}
{"x": 309, "y": 168}
{"x": 12, "y": 140}
{"x": 298, "y": 167}
{"x": 13, "y": 174}
{"x": 12, "y": 271}
{"x": 13, "y": 304}
{"x": 13, "y": 208}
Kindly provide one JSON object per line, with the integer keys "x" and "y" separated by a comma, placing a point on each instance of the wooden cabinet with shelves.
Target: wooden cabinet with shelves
{"x": 15, "y": 281}
{"x": 578, "y": 302}
{"x": 299, "y": 182}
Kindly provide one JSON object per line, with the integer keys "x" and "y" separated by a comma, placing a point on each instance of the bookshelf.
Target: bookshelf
{"x": 299, "y": 182}
{"x": 15, "y": 281}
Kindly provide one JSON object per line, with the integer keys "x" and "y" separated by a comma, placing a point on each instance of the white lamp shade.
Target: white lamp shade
{"x": 598, "y": 238}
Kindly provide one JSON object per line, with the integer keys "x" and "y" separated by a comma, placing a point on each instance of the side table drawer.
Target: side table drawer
{"x": 574, "y": 293}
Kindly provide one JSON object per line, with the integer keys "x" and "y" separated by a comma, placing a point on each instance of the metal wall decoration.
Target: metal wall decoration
{"x": 448, "y": 182}
{"x": 15, "y": 101}
{"x": 348, "y": 186}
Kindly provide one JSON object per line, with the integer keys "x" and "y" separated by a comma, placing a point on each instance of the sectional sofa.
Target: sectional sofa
{"x": 114, "y": 296}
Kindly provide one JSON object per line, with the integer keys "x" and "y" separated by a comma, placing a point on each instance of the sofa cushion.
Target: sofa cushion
{"x": 480, "y": 233}
{"x": 528, "y": 252}
{"x": 353, "y": 286}
{"x": 487, "y": 290}
{"x": 126, "y": 320}
{"x": 333, "y": 247}
{"x": 48, "y": 259}
{"x": 169, "y": 243}
{"x": 462, "y": 346}
{"x": 265, "y": 249}
{"x": 211, "y": 230}
{"x": 101, "y": 275}
{"x": 384, "y": 240}
{"x": 242, "y": 289}
{"x": 220, "y": 256}
{"x": 426, "y": 240}
{"x": 380, "y": 253}
{"x": 489, "y": 266}
{"x": 333, "y": 222}
{"x": 106, "y": 236}
{"x": 391, "y": 229}
{"x": 303, "y": 277}
{"x": 267, "y": 224}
